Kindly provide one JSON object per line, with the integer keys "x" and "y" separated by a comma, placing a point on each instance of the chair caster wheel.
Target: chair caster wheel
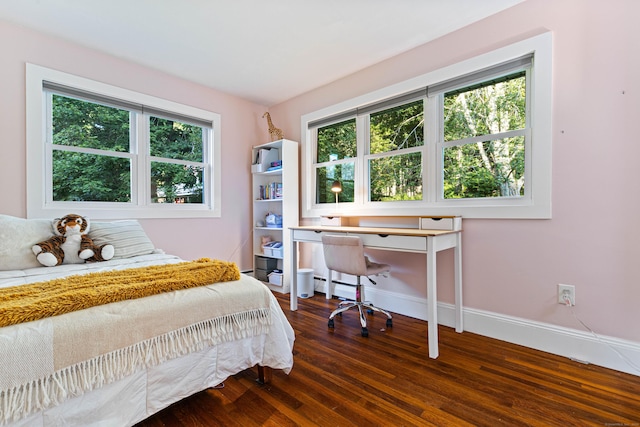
{"x": 369, "y": 311}
{"x": 365, "y": 332}
{"x": 330, "y": 324}
{"x": 389, "y": 323}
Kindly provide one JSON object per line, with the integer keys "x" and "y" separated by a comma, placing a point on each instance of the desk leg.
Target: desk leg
{"x": 293, "y": 295}
{"x": 432, "y": 299}
{"x": 457, "y": 251}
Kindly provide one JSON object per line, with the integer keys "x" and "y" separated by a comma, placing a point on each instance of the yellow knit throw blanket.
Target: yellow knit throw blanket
{"x": 35, "y": 301}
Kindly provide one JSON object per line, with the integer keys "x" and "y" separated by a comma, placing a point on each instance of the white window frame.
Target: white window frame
{"x": 538, "y": 148}
{"x": 40, "y": 202}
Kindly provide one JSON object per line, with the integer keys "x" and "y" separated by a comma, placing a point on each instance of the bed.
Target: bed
{"x": 120, "y": 362}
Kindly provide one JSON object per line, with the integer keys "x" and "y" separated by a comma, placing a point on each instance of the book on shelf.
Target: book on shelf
{"x": 270, "y": 191}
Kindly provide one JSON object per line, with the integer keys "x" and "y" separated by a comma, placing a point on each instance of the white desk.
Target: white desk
{"x": 429, "y": 242}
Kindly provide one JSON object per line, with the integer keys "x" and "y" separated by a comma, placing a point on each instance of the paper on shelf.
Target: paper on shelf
{"x": 265, "y": 156}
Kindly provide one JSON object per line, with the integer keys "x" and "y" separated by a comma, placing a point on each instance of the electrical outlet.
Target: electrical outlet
{"x": 569, "y": 291}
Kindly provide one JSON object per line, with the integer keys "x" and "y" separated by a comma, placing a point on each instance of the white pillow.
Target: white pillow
{"x": 17, "y": 235}
{"x": 127, "y": 237}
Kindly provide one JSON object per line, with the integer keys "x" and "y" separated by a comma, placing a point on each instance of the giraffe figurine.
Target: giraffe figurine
{"x": 274, "y": 132}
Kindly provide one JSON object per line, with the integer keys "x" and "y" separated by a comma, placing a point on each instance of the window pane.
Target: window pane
{"x": 486, "y": 110}
{"x": 337, "y": 141}
{"x": 486, "y": 169}
{"x": 172, "y": 183}
{"x": 85, "y": 124}
{"x": 325, "y": 177}
{"x": 396, "y": 178}
{"x": 175, "y": 140}
{"x": 397, "y": 128}
{"x": 90, "y": 178}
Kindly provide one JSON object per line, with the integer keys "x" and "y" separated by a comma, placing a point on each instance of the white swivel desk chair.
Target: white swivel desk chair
{"x": 345, "y": 254}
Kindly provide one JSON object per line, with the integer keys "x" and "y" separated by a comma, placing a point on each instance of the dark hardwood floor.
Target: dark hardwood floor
{"x": 342, "y": 379}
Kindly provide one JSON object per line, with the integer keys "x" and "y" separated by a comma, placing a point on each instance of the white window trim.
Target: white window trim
{"x": 538, "y": 206}
{"x": 37, "y": 187}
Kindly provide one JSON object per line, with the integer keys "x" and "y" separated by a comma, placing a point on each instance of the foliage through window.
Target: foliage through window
{"x": 177, "y": 165}
{"x": 460, "y": 145}
{"x": 336, "y": 151}
{"x": 482, "y": 145}
{"x": 109, "y": 152}
{"x": 484, "y": 140}
{"x": 396, "y": 138}
{"x": 94, "y": 154}
{"x": 88, "y": 141}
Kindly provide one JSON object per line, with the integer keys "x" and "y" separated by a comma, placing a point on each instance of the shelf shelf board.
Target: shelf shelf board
{"x": 273, "y": 172}
{"x": 268, "y": 228}
{"x": 267, "y": 256}
{"x": 268, "y": 200}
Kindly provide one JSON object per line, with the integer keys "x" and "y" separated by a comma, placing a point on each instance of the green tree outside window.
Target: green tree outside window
{"x": 92, "y": 160}
{"x": 494, "y": 165}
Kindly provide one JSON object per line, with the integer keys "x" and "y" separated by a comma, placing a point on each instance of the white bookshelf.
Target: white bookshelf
{"x": 285, "y": 205}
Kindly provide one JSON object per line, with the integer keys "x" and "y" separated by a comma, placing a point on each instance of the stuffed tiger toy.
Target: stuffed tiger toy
{"x": 70, "y": 244}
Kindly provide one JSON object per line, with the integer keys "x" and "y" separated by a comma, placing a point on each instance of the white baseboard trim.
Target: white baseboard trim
{"x": 581, "y": 346}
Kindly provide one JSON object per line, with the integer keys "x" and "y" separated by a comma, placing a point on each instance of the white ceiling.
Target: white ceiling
{"x": 266, "y": 51}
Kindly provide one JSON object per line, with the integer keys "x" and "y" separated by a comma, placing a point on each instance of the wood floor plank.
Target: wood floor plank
{"x": 342, "y": 379}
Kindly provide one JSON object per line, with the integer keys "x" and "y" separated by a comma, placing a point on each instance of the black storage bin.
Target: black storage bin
{"x": 265, "y": 263}
{"x": 262, "y": 275}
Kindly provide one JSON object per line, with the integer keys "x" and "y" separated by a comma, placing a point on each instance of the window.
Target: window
{"x": 336, "y": 153}
{"x": 112, "y": 153}
{"x": 458, "y": 141}
{"x": 484, "y": 136}
{"x": 178, "y": 164}
{"x": 396, "y": 139}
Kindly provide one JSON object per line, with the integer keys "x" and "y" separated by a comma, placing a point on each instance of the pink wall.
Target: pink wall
{"x": 513, "y": 267}
{"x": 242, "y": 124}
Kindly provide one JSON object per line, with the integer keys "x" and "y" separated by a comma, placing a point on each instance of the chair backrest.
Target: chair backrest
{"x": 344, "y": 254}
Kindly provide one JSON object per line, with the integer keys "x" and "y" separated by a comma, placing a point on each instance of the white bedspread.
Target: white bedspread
{"x": 104, "y": 358}
{"x": 39, "y": 274}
